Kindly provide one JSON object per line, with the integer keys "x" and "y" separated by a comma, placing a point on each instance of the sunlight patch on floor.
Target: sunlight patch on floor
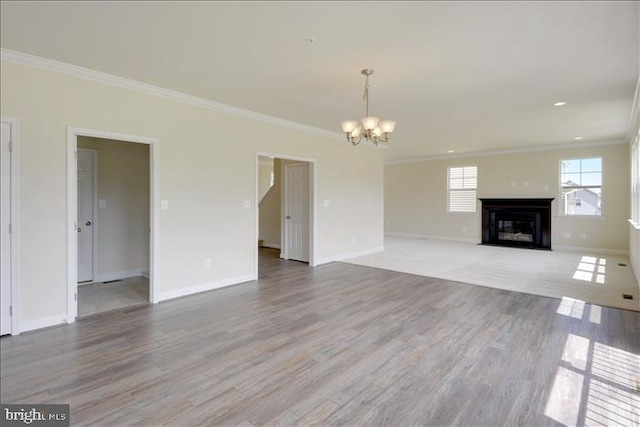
{"x": 591, "y": 269}
{"x": 610, "y": 378}
{"x": 571, "y": 307}
{"x": 562, "y": 405}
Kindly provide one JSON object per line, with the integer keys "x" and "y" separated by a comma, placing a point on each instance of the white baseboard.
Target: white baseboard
{"x": 182, "y": 292}
{"x": 426, "y": 236}
{"x": 271, "y": 245}
{"x": 119, "y": 275}
{"x": 43, "y": 322}
{"x": 349, "y": 255}
{"x": 590, "y": 250}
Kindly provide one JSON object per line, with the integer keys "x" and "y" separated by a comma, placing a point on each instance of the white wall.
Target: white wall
{"x": 123, "y": 222}
{"x": 265, "y": 169}
{"x": 206, "y": 172}
{"x": 270, "y": 221}
{"x": 416, "y": 195}
{"x": 634, "y": 226}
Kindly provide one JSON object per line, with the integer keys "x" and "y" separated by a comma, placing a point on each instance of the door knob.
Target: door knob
{"x": 88, "y": 223}
{"x": 79, "y": 229}
{"x": 288, "y": 217}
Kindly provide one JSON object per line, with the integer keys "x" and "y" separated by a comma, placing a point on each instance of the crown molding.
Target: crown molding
{"x": 506, "y": 151}
{"x": 121, "y": 82}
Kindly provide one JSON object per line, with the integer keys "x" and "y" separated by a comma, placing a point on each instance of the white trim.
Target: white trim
{"x": 271, "y": 245}
{"x": 506, "y": 151}
{"x": 119, "y": 275}
{"x": 635, "y": 224}
{"x": 97, "y": 76}
{"x": 350, "y": 255}
{"x": 591, "y": 250}
{"x": 426, "y": 236}
{"x": 72, "y": 212}
{"x": 43, "y": 322}
{"x": 182, "y": 292}
{"x": 313, "y": 180}
{"x": 15, "y": 222}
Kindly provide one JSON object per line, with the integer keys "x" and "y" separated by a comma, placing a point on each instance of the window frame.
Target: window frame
{"x": 449, "y": 190}
{"x": 635, "y": 181}
{"x": 561, "y": 200}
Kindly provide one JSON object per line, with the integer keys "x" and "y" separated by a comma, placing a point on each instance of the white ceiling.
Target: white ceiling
{"x": 462, "y": 76}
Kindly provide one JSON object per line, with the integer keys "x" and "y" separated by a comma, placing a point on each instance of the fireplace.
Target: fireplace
{"x": 523, "y": 223}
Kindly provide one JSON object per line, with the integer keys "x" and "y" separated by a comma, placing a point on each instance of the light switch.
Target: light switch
{"x": 102, "y": 203}
{"x": 164, "y": 205}
{"x": 246, "y": 204}
{"x": 546, "y": 186}
{"x": 326, "y": 203}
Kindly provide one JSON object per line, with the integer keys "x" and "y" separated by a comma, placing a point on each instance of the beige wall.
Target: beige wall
{"x": 206, "y": 172}
{"x": 416, "y": 195}
{"x": 122, "y": 222}
{"x": 270, "y": 222}
{"x": 265, "y": 168}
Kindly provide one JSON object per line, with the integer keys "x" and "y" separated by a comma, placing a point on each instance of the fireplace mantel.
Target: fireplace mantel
{"x": 524, "y": 223}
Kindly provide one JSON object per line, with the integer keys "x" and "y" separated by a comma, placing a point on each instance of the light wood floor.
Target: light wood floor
{"x": 338, "y": 344}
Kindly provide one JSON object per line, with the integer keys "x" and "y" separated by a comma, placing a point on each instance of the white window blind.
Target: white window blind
{"x": 463, "y": 183}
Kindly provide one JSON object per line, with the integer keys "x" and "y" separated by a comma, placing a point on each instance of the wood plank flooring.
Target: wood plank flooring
{"x": 338, "y": 344}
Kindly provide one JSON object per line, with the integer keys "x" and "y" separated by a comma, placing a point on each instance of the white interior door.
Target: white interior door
{"x": 5, "y": 251}
{"x": 297, "y": 211}
{"x": 86, "y": 165}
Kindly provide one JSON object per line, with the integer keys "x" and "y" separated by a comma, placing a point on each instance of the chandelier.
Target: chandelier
{"x": 372, "y": 130}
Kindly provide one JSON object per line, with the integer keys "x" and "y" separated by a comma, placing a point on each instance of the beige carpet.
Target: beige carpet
{"x": 100, "y": 297}
{"x": 584, "y": 276}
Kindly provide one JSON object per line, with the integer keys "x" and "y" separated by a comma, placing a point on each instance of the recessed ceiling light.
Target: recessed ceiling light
{"x": 450, "y": 151}
{"x": 577, "y": 138}
{"x": 559, "y": 104}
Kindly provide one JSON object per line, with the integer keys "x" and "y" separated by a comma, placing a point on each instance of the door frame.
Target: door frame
{"x": 94, "y": 203}
{"x": 312, "y": 207}
{"x": 72, "y": 211}
{"x": 14, "y": 195}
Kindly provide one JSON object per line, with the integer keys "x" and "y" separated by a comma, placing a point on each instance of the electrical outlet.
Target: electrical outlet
{"x": 164, "y": 205}
{"x": 353, "y": 240}
{"x": 583, "y": 236}
{"x": 566, "y": 235}
{"x": 207, "y": 264}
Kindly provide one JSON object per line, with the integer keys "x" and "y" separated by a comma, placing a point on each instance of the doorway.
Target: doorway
{"x": 113, "y": 221}
{"x": 285, "y": 215}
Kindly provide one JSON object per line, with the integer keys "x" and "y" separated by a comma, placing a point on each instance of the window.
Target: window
{"x": 581, "y": 184}
{"x": 463, "y": 183}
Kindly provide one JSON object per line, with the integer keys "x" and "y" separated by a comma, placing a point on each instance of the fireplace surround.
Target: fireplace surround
{"x": 522, "y": 223}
